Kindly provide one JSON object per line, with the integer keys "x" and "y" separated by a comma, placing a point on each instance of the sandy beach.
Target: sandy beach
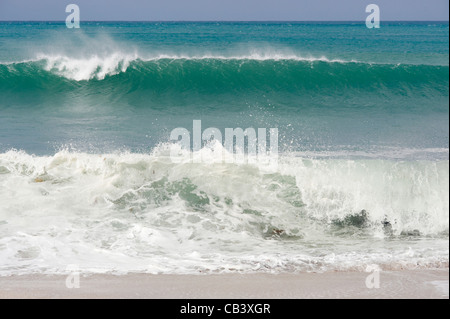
{"x": 395, "y": 284}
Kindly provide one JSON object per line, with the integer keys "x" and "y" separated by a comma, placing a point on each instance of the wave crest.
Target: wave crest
{"x": 294, "y": 75}
{"x": 94, "y": 67}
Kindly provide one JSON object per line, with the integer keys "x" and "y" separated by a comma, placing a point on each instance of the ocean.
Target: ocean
{"x": 87, "y": 180}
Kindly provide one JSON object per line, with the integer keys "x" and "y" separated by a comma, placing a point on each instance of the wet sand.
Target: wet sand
{"x": 394, "y": 284}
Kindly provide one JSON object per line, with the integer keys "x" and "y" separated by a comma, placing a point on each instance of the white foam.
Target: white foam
{"x": 98, "y": 66}
{"x": 111, "y": 61}
{"x": 379, "y": 153}
{"x": 410, "y": 195}
{"x": 257, "y": 56}
{"x": 141, "y": 212}
{"x": 94, "y": 66}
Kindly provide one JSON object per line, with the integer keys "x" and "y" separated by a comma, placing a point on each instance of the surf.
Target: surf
{"x": 217, "y": 75}
{"x": 85, "y": 121}
{"x": 133, "y": 208}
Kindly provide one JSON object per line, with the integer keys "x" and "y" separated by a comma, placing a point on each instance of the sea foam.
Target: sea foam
{"x": 141, "y": 212}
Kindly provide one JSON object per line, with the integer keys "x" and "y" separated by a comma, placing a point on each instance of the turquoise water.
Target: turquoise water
{"x": 110, "y": 86}
{"x": 86, "y": 115}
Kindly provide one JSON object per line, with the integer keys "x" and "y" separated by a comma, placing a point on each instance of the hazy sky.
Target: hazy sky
{"x": 294, "y": 10}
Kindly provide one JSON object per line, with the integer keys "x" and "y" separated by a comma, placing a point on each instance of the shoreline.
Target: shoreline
{"x": 404, "y": 284}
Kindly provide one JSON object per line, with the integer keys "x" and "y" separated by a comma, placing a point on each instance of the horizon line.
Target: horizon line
{"x": 297, "y": 21}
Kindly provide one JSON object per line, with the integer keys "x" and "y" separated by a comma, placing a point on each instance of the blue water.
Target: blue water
{"x": 110, "y": 86}
{"x": 86, "y": 116}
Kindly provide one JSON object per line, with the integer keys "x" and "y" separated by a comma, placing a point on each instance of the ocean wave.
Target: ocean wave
{"x": 142, "y": 212}
{"x": 411, "y": 194}
{"x": 212, "y": 74}
{"x": 256, "y": 56}
{"x": 259, "y": 56}
{"x": 98, "y": 67}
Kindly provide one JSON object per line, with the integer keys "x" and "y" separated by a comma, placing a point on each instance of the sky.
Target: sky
{"x": 224, "y": 10}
